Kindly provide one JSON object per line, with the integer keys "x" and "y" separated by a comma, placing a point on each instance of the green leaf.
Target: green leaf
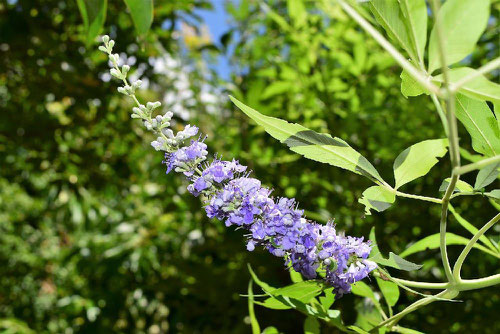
{"x": 460, "y": 186}
{"x": 276, "y": 88}
{"x": 302, "y": 291}
{"x": 295, "y": 276}
{"x": 415, "y": 13}
{"x": 297, "y": 12}
{"x": 432, "y": 242}
{"x": 418, "y": 159}
{"x": 328, "y": 299}
{"x": 463, "y": 22}
{"x": 495, "y": 194}
{"x": 471, "y": 228}
{"x": 358, "y": 330}
{"x": 486, "y": 176}
{"x": 270, "y": 330}
{"x": 377, "y": 198}
{"x": 312, "y": 326}
{"x": 273, "y": 304}
{"x": 410, "y": 86}
{"x": 142, "y": 14}
{"x": 93, "y": 13}
{"x": 389, "y": 16}
{"x": 362, "y": 289}
{"x": 390, "y": 291}
{"x": 479, "y": 88}
{"x": 313, "y": 145}
{"x": 253, "y": 320}
{"x": 481, "y": 124}
{"x": 395, "y": 261}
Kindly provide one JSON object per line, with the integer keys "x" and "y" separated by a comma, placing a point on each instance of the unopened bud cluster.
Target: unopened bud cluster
{"x": 166, "y": 140}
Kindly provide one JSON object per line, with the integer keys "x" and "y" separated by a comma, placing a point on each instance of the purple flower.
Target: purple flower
{"x": 278, "y": 226}
{"x": 187, "y": 158}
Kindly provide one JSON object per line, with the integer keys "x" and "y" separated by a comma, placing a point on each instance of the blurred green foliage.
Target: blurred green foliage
{"x": 95, "y": 238}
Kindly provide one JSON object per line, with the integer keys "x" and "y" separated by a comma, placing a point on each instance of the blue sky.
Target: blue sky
{"x": 216, "y": 20}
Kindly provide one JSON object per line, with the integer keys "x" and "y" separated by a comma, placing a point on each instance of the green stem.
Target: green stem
{"x": 423, "y": 285}
{"x": 492, "y": 65}
{"x": 442, "y": 115}
{"x": 477, "y": 165}
{"x": 452, "y": 139}
{"x": 472, "y": 284}
{"x": 422, "y": 198}
{"x": 470, "y": 244}
{"x": 422, "y": 78}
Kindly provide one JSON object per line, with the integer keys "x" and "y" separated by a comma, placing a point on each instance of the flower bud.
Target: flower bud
{"x": 105, "y": 39}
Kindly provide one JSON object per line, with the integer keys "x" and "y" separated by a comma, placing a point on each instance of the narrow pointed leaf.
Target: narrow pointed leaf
{"x": 471, "y": 228}
{"x": 377, "y": 198}
{"x": 480, "y": 123}
{"x": 415, "y": 15}
{"x": 388, "y": 14}
{"x": 312, "y": 145}
{"x": 486, "y": 176}
{"x": 432, "y": 242}
{"x": 463, "y": 22}
{"x": 93, "y": 13}
{"x": 418, "y": 159}
{"x": 142, "y": 14}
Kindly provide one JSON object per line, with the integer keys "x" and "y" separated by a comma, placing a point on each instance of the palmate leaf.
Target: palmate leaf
{"x": 480, "y": 123}
{"x": 463, "y": 22}
{"x": 418, "y": 159}
{"x": 312, "y": 145}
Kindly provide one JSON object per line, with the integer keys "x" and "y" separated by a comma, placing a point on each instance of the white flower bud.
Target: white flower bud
{"x": 110, "y": 45}
{"x": 105, "y": 39}
{"x": 136, "y": 110}
{"x": 103, "y": 49}
{"x": 137, "y": 84}
{"x": 114, "y": 72}
{"x": 125, "y": 69}
{"x": 122, "y": 90}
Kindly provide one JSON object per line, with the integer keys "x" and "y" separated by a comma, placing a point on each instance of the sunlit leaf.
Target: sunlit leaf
{"x": 481, "y": 124}
{"x": 415, "y": 19}
{"x": 389, "y": 16}
{"x": 460, "y": 186}
{"x": 390, "y": 291}
{"x": 142, "y": 14}
{"x": 463, "y": 22}
{"x": 315, "y": 146}
{"x": 478, "y": 88}
{"x": 377, "y": 198}
{"x": 418, "y": 159}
